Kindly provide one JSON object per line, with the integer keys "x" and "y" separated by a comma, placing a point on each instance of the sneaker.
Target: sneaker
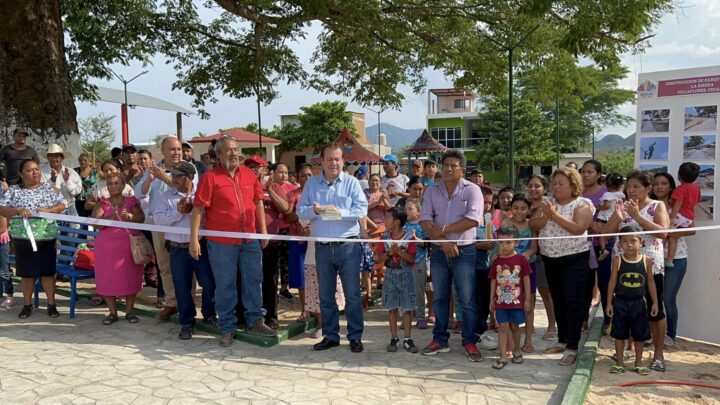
{"x": 226, "y": 340}
{"x": 260, "y": 329}
{"x": 472, "y": 352}
{"x": 421, "y": 324}
{"x": 458, "y": 327}
{"x": 434, "y": 348}
{"x": 669, "y": 342}
{"x": 603, "y": 255}
{"x": 8, "y": 303}
{"x": 286, "y": 295}
{"x": 488, "y": 341}
{"x": 409, "y": 345}
{"x": 186, "y": 333}
{"x": 211, "y": 321}
{"x": 393, "y": 345}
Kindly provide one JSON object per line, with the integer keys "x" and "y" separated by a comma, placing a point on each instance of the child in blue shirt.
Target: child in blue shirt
{"x": 483, "y": 259}
{"x": 420, "y": 268}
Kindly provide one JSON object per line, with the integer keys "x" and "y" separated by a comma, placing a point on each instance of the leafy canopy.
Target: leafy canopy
{"x": 319, "y": 124}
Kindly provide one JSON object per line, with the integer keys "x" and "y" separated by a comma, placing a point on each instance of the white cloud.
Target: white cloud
{"x": 685, "y": 50}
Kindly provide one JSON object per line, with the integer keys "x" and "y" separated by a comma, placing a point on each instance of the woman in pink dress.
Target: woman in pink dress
{"x": 116, "y": 274}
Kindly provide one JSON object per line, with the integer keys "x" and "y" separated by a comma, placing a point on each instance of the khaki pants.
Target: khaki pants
{"x": 163, "y": 262}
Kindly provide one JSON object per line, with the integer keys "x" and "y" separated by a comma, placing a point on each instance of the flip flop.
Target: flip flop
{"x": 528, "y": 349}
{"x": 96, "y": 300}
{"x": 642, "y": 370}
{"x": 517, "y": 359}
{"x": 568, "y": 358}
{"x": 617, "y": 369}
{"x": 550, "y": 335}
{"x": 499, "y": 364}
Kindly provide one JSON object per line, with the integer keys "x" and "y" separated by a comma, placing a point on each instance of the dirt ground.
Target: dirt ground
{"x": 690, "y": 360}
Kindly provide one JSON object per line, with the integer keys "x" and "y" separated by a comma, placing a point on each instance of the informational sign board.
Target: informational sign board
{"x": 677, "y": 121}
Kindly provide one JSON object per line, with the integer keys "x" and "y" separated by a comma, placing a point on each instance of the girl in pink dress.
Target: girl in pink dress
{"x": 116, "y": 274}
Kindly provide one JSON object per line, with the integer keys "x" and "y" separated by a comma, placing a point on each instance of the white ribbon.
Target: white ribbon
{"x": 246, "y": 235}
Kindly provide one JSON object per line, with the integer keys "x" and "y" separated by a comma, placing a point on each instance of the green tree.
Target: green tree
{"x": 320, "y": 124}
{"x": 617, "y": 160}
{"x": 97, "y": 133}
{"x": 695, "y": 141}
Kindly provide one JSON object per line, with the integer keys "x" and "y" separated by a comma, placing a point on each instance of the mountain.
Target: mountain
{"x": 614, "y": 141}
{"x": 396, "y": 137}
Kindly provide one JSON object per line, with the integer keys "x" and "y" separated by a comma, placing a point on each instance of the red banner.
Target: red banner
{"x": 693, "y": 85}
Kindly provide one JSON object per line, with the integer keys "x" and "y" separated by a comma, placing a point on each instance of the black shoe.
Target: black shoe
{"x": 356, "y": 346}
{"x": 286, "y": 295}
{"x": 52, "y": 311}
{"x": 326, "y": 344}
{"x": 186, "y": 333}
{"x": 211, "y": 321}
{"x": 393, "y": 345}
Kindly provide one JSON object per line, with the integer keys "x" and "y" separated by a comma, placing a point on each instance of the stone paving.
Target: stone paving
{"x": 57, "y": 361}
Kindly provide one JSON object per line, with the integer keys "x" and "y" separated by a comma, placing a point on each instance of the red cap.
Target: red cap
{"x": 257, "y": 160}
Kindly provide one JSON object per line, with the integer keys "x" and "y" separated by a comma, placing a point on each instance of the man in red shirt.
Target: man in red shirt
{"x": 231, "y": 199}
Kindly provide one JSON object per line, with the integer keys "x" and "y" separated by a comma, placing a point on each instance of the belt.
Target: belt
{"x": 338, "y": 243}
{"x": 169, "y": 243}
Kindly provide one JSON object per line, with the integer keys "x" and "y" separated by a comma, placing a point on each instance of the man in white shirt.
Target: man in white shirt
{"x": 65, "y": 181}
{"x": 394, "y": 182}
{"x": 154, "y": 183}
{"x": 175, "y": 211}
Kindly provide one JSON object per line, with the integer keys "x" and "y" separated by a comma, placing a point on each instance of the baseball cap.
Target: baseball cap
{"x": 390, "y": 158}
{"x": 255, "y": 159}
{"x": 186, "y": 144}
{"x": 129, "y": 146}
{"x": 429, "y": 162}
{"x": 183, "y": 168}
{"x": 21, "y": 131}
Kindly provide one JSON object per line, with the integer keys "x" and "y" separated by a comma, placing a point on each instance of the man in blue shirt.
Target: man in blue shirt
{"x": 334, "y": 203}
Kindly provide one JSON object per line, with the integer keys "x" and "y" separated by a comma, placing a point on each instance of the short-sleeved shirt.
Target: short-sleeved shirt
{"x": 405, "y": 242}
{"x": 394, "y": 185}
{"x": 483, "y": 258}
{"x": 427, "y": 182}
{"x": 376, "y": 214}
{"x": 689, "y": 194}
{"x": 569, "y": 246}
{"x": 230, "y": 202}
{"x": 32, "y": 199}
{"x": 12, "y": 158}
{"x": 418, "y": 233}
{"x": 442, "y": 209}
{"x": 293, "y": 196}
{"x": 87, "y": 183}
{"x": 652, "y": 246}
{"x": 274, "y": 219}
{"x": 508, "y": 272}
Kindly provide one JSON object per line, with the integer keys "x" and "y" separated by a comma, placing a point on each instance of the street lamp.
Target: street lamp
{"x": 510, "y": 50}
{"x": 378, "y": 112}
{"x": 123, "y": 109}
{"x": 259, "y": 127}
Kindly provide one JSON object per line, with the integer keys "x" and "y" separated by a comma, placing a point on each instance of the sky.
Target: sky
{"x": 688, "y": 38}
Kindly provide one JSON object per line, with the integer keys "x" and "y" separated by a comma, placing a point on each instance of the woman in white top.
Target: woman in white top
{"x": 566, "y": 260}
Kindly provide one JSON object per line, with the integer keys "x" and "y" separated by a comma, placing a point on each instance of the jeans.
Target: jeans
{"x": 567, "y": 277}
{"x": 673, "y": 281}
{"x": 603, "y": 275}
{"x": 344, "y": 261}
{"x": 482, "y": 299}
{"x": 271, "y": 268}
{"x": 460, "y": 272}
{"x": 419, "y": 272}
{"x": 226, "y": 261}
{"x": 183, "y": 266}
{"x": 6, "y": 284}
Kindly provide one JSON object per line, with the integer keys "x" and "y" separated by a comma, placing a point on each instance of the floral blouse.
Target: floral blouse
{"x": 32, "y": 198}
{"x": 87, "y": 183}
{"x": 569, "y": 246}
{"x": 652, "y": 246}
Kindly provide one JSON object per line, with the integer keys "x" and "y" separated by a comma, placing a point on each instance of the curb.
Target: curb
{"x": 283, "y": 333}
{"x": 580, "y": 381}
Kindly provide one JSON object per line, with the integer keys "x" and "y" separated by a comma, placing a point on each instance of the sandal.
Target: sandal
{"x": 302, "y": 318}
{"x": 25, "y": 312}
{"x": 52, "y": 311}
{"x": 555, "y": 349}
{"x": 110, "y": 319}
{"x": 617, "y": 369}
{"x": 132, "y": 318}
{"x": 550, "y": 335}
{"x": 642, "y": 370}
{"x": 96, "y": 300}
{"x": 517, "y": 359}
{"x": 657, "y": 365}
{"x": 499, "y": 364}
{"x": 528, "y": 348}
{"x": 568, "y": 358}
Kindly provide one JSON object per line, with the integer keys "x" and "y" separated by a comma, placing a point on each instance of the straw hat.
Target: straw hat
{"x": 55, "y": 148}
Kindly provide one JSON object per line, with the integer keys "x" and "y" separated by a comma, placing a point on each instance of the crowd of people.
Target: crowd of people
{"x": 480, "y": 272}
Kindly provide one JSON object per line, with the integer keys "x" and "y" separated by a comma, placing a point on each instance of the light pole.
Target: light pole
{"x": 259, "y": 127}
{"x": 510, "y": 50}
{"x": 557, "y": 133}
{"x": 123, "y": 108}
{"x": 378, "y": 112}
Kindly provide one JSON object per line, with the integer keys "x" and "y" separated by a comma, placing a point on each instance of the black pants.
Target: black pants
{"x": 271, "y": 268}
{"x": 567, "y": 279}
{"x": 482, "y": 299}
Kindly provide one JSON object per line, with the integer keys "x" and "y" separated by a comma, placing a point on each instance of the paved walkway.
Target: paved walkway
{"x": 81, "y": 361}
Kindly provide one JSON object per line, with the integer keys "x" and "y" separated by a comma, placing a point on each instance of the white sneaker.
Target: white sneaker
{"x": 8, "y": 303}
{"x": 488, "y": 341}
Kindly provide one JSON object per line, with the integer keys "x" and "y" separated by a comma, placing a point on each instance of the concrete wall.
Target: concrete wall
{"x": 698, "y": 300}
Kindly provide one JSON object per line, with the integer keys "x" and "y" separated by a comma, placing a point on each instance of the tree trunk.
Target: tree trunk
{"x": 34, "y": 76}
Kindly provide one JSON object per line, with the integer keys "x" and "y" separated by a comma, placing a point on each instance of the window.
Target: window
{"x": 459, "y": 103}
{"x": 450, "y": 137}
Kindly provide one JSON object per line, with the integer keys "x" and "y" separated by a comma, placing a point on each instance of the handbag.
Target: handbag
{"x": 84, "y": 258}
{"x": 142, "y": 250}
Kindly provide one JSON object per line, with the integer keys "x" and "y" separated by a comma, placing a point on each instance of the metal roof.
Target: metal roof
{"x": 140, "y": 100}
